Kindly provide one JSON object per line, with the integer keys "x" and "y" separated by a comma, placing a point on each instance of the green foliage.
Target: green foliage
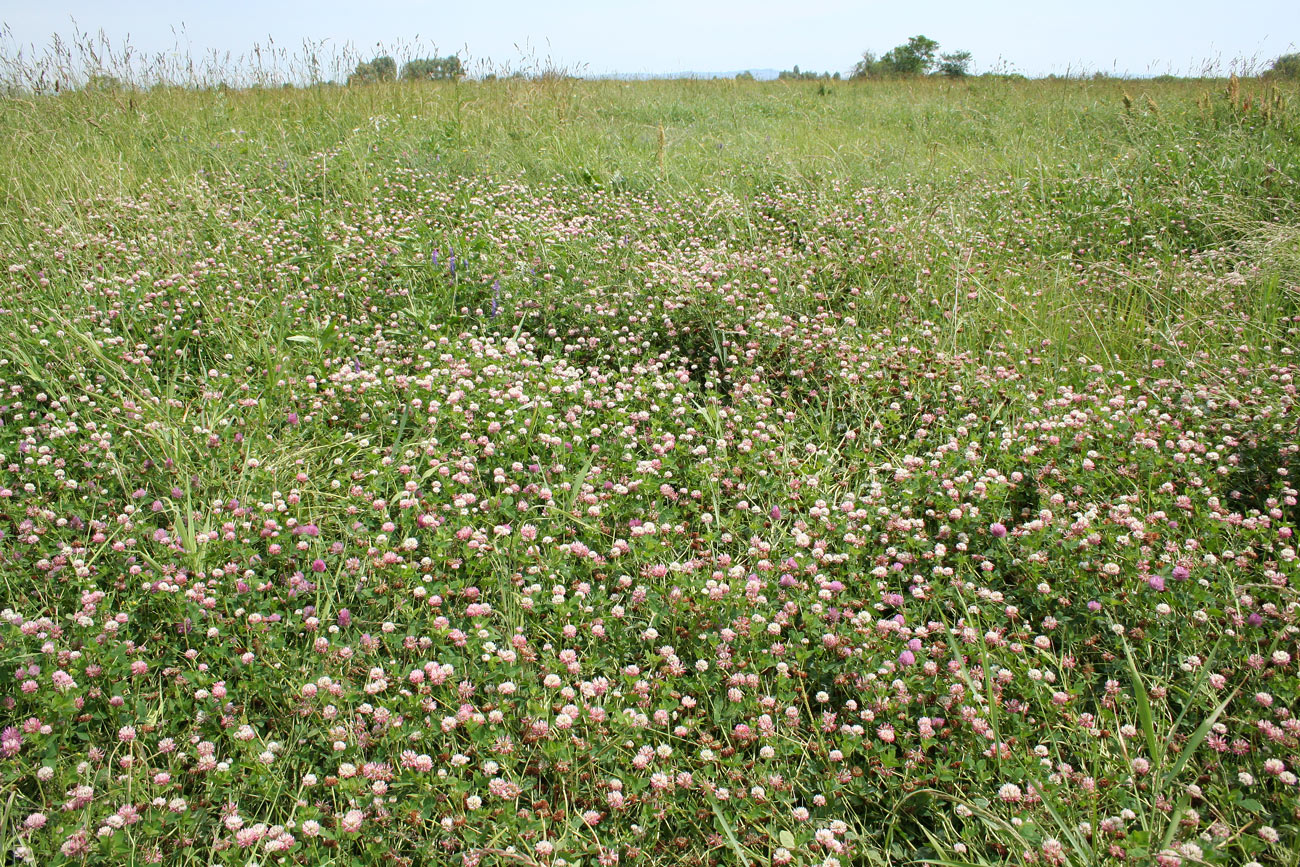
{"x": 433, "y": 69}
{"x": 379, "y": 69}
{"x": 774, "y": 325}
{"x": 1286, "y": 67}
{"x": 914, "y": 58}
{"x": 868, "y": 67}
{"x": 385, "y": 68}
{"x": 918, "y": 56}
{"x": 102, "y": 82}
{"x": 796, "y": 74}
{"x": 955, "y": 64}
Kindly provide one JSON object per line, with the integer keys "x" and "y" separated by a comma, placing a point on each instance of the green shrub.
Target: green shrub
{"x": 380, "y": 69}
{"x": 433, "y": 69}
{"x": 918, "y": 56}
{"x": 1287, "y": 66}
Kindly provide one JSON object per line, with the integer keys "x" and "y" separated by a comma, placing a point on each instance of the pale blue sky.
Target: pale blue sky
{"x": 1036, "y": 37}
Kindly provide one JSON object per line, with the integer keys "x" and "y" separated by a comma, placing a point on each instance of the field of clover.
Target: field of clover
{"x": 459, "y": 517}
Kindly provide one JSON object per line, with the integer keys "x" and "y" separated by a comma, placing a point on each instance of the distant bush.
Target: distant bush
{"x": 797, "y": 75}
{"x": 380, "y": 69}
{"x": 104, "y": 83}
{"x": 420, "y": 69}
{"x": 433, "y": 69}
{"x": 954, "y": 65}
{"x": 918, "y": 56}
{"x": 1287, "y": 66}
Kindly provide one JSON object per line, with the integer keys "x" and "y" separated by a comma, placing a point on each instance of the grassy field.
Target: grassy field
{"x": 566, "y": 472}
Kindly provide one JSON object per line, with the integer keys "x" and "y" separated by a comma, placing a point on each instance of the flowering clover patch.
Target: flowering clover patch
{"x": 451, "y": 518}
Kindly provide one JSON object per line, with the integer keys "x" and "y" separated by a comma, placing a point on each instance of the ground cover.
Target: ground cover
{"x": 561, "y": 472}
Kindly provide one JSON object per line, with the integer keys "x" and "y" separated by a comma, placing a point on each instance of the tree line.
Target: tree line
{"x": 423, "y": 69}
{"x": 919, "y": 56}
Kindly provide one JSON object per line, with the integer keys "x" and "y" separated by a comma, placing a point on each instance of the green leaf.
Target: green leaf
{"x": 1206, "y": 668}
{"x": 1144, "y": 706}
{"x": 1197, "y": 736}
{"x": 732, "y": 842}
{"x": 1174, "y": 819}
{"x": 786, "y": 839}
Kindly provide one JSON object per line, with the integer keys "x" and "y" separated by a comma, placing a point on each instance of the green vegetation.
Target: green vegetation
{"x": 384, "y": 69}
{"x": 380, "y": 69}
{"x": 918, "y": 56}
{"x": 796, "y": 74}
{"x": 1287, "y": 66}
{"x": 433, "y": 69}
{"x": 545, "y": 471}
{"x": 954, "y": 64}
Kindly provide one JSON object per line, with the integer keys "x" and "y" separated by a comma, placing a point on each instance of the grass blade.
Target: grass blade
{"x": 1144, "y": 707}
{"x": 1080, "y": 846}
{"x": 1194, "y": 741}
{"x": 1206, "y": 668}
{"x": 732, "y": 842}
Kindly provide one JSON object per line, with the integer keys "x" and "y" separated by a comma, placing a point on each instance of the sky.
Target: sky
{"x": 1032, "y": 37}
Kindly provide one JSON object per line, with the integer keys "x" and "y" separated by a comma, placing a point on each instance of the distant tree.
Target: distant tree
{"x": 745, "y": 76}
{"x": 105, "y": 83}
{"x": 918, "y": 56}
{"x": 955, "y": 65}
{"x": 385, "y": 68}
{"x": 796, "y": 74}
{"x": 914, "y": 58}
{"x": 868, "y": 67}
{"x": 433, "y": 69}
{"x": 380, "y": 69}
{"x": 1287, "y": 66}
{"x": 420, "y": 70}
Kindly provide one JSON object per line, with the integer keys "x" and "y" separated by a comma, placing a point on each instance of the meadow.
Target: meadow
{"x": 560, "y": 472}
